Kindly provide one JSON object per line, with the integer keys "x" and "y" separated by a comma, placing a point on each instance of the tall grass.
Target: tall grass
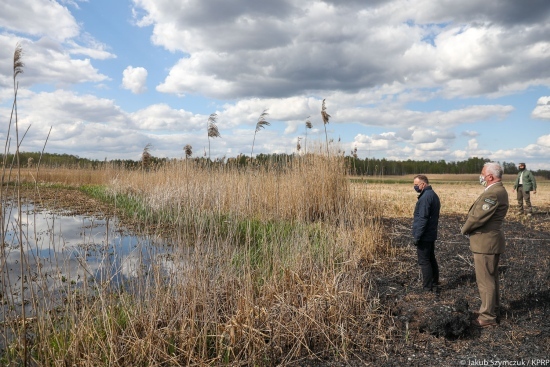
{"x": 267, "y": 266}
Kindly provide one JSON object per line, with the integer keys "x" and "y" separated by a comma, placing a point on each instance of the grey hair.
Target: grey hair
{"x": 494, "y": 169}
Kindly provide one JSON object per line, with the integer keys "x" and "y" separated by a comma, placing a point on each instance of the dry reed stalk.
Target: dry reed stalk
{"x": 326, "y": 119}
{"x": 299, "y": 288}
{"x": 305, "y": 192}
{"x": 212, "y": 129}
{"x": 261, "y": 124}
{"x": 308, "y": 126}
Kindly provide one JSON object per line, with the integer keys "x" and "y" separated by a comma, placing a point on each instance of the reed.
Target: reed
{"x": 212, "y": 129}
{"x": 267, "y": 266}
{"x": 256, "y": 265}
{"x": 270, "y": 280}
{"x": 261, "y": 124}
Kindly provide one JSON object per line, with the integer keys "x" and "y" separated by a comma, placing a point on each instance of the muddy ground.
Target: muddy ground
{"x": 437, "y": 332}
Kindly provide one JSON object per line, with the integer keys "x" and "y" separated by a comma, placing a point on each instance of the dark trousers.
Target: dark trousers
{"x": 428, "y": 264}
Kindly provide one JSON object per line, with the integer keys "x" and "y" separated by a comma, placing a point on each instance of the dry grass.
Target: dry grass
{"x": 67, "y": 176}
{"x": 456, "y": 192}
{"x": 267, "y": 266}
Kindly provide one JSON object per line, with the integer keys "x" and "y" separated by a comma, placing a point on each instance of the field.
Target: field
{"x": 299, "y": 265}
{"x": 457, "y": 193}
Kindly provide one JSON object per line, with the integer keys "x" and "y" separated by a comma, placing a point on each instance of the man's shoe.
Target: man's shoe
{"x": 483, "y": 324}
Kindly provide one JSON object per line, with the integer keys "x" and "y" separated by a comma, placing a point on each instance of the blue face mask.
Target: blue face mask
{"x": 416, "y": 188}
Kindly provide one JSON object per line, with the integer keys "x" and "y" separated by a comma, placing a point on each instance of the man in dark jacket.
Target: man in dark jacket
{"x": 424, "y": 229}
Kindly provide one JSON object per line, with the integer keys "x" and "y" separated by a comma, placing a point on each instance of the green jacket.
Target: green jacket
{"x": 485, "y": 219}
{"x": 529, "y": 182}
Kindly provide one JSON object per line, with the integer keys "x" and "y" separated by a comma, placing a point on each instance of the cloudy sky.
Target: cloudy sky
{"x": 402, "y": 79}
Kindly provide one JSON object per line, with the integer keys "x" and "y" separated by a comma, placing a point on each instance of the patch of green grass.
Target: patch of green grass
{"x": 265, "y": 245}
{"x": 129, "y": 205}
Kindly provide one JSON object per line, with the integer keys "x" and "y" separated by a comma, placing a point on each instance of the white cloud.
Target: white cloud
{"x": 46, "y": 62}
{"x": 134, "y": 79}
{"x": 401, "y": 78}
{"x": 94, "y": 49}
{"x": 231, "y": 54}
{"x": 438, "y": 145}
{"x": 542, "y": 109}
{"x": 39, "y": 18}
{"x": 163, "y": 117}
{"x": 544, "y": 141}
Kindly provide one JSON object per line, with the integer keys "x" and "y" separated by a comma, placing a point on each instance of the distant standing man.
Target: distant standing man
{"x": 525, "y": 183}
{"x": 484, "y": 228}
{"x": 424, "y": 229}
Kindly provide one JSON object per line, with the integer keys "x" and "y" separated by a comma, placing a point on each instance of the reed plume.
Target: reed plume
{"x": 308, "y": 126}
{"x": 261, "y": 124}
{"x": 17, "y": 61}
{"x": 326, "y": 119}
{"x": 146, "y": 156}
{"x": 212, "y": 129}
{"x": 188, "y": 150}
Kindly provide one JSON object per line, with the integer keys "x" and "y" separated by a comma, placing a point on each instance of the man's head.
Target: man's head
{"x": 521, "y": 166}
{"x": 491, "y": 173}
{"x": 420, "y": 182}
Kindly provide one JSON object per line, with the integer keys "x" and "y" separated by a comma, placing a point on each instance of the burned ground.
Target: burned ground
{"x": 437, "y": 332}
{"x": 435, "y": 327}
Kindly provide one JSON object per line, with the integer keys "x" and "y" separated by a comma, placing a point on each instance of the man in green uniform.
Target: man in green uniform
{"x": 525, "y": 183}
{"x": 484, "y": 228}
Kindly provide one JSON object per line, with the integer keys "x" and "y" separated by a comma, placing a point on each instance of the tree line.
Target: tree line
{"x": 355, "y": 165}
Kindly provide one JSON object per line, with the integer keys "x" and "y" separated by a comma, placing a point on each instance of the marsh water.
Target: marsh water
{"x": 63, "y": 252}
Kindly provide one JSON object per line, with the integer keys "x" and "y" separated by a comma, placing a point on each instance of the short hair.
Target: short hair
{"x": 494, "y": 169}
{"x": 521, "y": 164}
{"x": 422, "y": 178}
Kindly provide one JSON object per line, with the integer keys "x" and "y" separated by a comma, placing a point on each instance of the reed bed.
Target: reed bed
{"x": 266, "y": 266}
{"x": 66, "y": 176}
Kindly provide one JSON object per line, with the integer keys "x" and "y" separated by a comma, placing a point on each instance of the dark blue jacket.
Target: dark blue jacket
{"x": 426, "y": 216}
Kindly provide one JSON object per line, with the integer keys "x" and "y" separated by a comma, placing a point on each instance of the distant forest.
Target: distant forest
{"x": 355, "y": 165}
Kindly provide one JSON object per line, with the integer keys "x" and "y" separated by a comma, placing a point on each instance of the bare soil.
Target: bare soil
{"x": 430, "y": 331}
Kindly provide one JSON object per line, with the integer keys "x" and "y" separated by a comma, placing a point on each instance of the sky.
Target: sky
{"x": 401, "y": 79}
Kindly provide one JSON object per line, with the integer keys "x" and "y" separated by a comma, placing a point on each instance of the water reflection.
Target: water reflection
{"x": 61, "y": 251}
